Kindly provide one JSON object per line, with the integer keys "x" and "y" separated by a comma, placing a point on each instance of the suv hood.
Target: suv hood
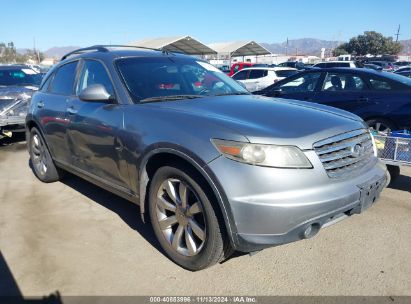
{"x": 270, "y": 120}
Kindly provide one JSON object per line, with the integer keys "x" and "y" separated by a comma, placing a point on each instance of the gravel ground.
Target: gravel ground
{"x": 77, "y": 239}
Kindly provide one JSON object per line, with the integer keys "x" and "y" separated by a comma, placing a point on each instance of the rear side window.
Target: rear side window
{"x": 45, "y": 86}
{"x": 255, "y": 74}
{"x": 242, "y": 75}
{"x": 94, "y": 73}
{"x": 63, "y": 81}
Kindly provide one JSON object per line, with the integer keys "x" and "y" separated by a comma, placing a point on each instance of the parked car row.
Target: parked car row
{"x": 256, "y": 77}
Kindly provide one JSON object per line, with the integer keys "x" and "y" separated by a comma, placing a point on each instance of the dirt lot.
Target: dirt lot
{"x": 77, "y": 239}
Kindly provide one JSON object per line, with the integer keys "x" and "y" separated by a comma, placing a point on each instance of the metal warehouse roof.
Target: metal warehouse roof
{"x": 185, "y": 44}
{"x": 240, "y": 48}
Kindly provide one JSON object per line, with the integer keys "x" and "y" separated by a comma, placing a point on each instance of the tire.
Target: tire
{"x": 40, "y": 159}
{"x": 380, "y": 124}
{"x": 394, "y": 172}
{"x": 192, "y": 235}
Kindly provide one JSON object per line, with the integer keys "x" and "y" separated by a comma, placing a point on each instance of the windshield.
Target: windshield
{"x": 149, "y": 79}
{"x": 19, "y": 77}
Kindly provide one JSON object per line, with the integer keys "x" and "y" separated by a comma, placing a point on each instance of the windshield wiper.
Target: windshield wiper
{"x": 171, "y": 97}
{"x": 235, "y": 93}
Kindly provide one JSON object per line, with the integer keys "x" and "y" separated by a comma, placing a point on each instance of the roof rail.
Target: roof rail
{"x": 104, "y": 48}
{"x": 99, "y": 48}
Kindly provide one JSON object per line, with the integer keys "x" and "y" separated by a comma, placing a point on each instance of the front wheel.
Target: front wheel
{"x": 184, "y": 220}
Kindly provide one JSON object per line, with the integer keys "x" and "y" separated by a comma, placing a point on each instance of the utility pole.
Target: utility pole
{"x": 398, "y": 32}
{"x": 35, "y": 51}
{"x": 286, "y": 48}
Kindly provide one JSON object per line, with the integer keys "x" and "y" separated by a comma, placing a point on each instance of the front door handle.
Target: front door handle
{"x": 40, "y": 104}
{"x": 71, "y": 111}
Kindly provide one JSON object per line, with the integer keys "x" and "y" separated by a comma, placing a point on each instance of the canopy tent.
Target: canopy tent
{"x": 239, "y": 48}
{"x": 185, "y": 44}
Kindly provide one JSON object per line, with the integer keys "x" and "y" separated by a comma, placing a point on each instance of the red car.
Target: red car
{"x": 239, "y": 66}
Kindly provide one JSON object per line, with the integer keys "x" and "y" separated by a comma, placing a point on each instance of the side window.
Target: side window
{"x": 343, "y": 82}
{"x": 379, "y": 84}
{"x": 307, "y": 82}
{"x": 63, "y": 81}
{"x": 255, "y": 74}
{"x": 93, "y": 72}
{"x": 46, "y": 84}
{"x": 242, "y": 75}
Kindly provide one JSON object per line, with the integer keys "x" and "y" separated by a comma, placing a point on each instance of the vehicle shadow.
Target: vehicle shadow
{"x": 10, "y": 291}
{"x": 16, "y": 138}
{"x": 402, "y": 183}
{"x": 127, "y": 211}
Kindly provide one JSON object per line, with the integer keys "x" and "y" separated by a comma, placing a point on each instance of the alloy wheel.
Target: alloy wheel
{"x": 180, "y": 217}
{"x": 39, "y": 155}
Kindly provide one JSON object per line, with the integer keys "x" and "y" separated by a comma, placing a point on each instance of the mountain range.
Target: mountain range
{"x": 303, "y": 46}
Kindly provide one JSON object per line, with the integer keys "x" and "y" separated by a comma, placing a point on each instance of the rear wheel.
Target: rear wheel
{"x": 184, "y": 220}
{"x": 40, "y": 158}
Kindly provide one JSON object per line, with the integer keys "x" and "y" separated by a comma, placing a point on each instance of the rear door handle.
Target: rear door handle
{"x": 71, "y": 111}
{"x": 363, "y": 99}
{"x": 40, "y": 104}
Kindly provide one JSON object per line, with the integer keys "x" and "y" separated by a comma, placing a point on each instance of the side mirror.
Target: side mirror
{"x": 96, "y": 92}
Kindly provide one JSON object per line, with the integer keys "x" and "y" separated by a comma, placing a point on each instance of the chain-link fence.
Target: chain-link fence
{"x": 394, "y": 149}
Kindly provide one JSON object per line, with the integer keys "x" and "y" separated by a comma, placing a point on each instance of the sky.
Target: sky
{"x": 51, "y": 23}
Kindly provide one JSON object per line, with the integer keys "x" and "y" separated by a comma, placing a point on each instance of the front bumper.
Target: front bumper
{"x": 271, "y": 206}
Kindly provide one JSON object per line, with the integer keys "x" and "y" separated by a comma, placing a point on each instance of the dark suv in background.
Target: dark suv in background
{"x": 382, "y": 99}
{"x": 216, "y": 168}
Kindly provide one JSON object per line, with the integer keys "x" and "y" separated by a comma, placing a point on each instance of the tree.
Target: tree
{"x": 8, "y": 54}
{"x": 372, "y": 43}
{"x": 340, "y": 50}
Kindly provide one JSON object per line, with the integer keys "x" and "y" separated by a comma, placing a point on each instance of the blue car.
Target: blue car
{"x": 382, "y": 99}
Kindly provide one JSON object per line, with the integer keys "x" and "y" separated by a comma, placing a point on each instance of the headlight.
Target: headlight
{"x": 263, "y": 155}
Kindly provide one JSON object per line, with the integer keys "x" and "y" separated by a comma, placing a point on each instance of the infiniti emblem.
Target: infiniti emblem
{"x": 357, "y": 150}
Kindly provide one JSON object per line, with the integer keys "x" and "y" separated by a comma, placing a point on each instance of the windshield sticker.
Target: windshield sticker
{"x": 29, "y": 71}
{"x": 209, "y": 67}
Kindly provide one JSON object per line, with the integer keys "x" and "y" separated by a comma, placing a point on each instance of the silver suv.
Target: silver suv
{"x": 216, "y": 168}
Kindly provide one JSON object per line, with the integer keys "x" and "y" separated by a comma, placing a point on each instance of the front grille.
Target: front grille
{"x": 345, "y": 154}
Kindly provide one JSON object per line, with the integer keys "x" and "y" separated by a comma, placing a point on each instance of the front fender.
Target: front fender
{"x": 200, "y": 166}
